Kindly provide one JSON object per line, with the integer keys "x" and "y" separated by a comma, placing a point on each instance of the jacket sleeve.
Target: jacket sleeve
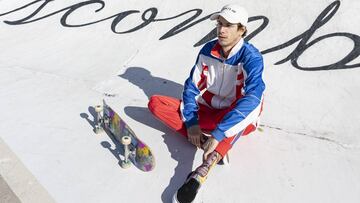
{"x": 236, "y": 120}
{"x": 189, "y": 106}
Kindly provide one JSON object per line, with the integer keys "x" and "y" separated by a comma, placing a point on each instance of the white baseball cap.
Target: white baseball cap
{"x": 232, "y": 13}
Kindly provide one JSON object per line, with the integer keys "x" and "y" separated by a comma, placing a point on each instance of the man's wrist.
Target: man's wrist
{"x": 218, "y": 135}
{"x": 191, "y": 122}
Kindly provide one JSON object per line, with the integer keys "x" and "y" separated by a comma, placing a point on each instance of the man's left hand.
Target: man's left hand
{"x": 209, "y": 146}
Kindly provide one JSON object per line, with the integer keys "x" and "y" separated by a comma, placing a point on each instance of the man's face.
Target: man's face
{"x": 228, "y": 34}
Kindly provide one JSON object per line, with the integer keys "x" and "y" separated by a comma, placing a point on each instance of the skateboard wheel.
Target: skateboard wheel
{"x": 98, "y": 108}
{"x": 98, "y": 129}
{"x": 125, "y": 164}
{"x": 126, "y": 140}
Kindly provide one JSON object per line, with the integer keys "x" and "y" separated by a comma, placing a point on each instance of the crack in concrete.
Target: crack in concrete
{"x": 345, "y": 146}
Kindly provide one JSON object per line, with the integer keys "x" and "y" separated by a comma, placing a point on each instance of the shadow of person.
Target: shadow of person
{"x": 180, "y": 150}
{"x": 152, "y": 85}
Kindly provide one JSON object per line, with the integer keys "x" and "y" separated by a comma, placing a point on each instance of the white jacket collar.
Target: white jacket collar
{"x": 236, "y": 48}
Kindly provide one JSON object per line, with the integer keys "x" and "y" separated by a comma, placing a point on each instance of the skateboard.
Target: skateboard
{"x": 135, "y": 150}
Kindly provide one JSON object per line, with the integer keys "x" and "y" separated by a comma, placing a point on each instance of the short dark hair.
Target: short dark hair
{"x": 240, "y": 26}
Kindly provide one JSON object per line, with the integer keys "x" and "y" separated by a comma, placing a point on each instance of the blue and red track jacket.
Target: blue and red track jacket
{"x": 220, "y": 83}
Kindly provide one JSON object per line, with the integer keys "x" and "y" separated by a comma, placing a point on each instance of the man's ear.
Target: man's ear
{"x": 243, "y": 30}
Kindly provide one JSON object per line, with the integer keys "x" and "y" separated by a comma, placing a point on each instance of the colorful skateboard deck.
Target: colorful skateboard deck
{"x": 140, "y": 154}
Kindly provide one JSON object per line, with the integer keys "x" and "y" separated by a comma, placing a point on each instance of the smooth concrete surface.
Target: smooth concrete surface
{"x": 60, "y": 58}
{"x": 6, "y": 194}
{"x": 17, "y": 184}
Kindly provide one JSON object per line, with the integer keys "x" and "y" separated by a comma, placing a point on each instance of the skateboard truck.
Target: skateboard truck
{"x": 126, "y": 141}
{"x": 99, "y": 119}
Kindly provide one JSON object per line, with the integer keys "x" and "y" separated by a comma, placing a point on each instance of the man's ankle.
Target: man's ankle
{"x": 213, "y": 158}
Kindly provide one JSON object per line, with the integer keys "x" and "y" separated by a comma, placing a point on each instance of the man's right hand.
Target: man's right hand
{"x": 194, "y": 135}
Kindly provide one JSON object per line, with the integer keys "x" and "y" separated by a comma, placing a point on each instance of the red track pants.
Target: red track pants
{"x": 167, "y": 110}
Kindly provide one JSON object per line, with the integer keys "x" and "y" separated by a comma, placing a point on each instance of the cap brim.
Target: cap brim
{"x": 226, "y": 17}
{"x": 214, "y": 16}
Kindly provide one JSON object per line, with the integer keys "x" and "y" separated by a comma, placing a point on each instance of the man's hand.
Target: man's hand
{"x": 209, "y": 146}
{"x": 194, "y": 135}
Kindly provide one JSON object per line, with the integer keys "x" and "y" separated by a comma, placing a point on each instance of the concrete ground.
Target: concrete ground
{"x": 60, "y": 58}
{"x": 17, "y": 184}
{"x": 6, "y": 194}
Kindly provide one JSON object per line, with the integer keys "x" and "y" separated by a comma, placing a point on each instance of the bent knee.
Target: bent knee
{"x": 152, "y": 102}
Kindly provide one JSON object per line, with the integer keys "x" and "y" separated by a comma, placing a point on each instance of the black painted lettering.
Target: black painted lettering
{"x": 22, "y": 7}
{"x": 24, "y": 20}
{"x": 303, "y": 40}
{"x": 146, "y": 21}
{"x": 303, "y": 44}
{"x": 184, "y": 25}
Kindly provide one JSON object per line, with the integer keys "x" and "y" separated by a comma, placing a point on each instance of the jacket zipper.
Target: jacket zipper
{"x": 222, "y": 81}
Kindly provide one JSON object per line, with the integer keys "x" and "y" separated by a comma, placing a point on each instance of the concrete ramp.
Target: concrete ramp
{"x": 60, "y": 58}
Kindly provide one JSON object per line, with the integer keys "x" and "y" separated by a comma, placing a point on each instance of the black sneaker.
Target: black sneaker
{"x": 187, "y": 192}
